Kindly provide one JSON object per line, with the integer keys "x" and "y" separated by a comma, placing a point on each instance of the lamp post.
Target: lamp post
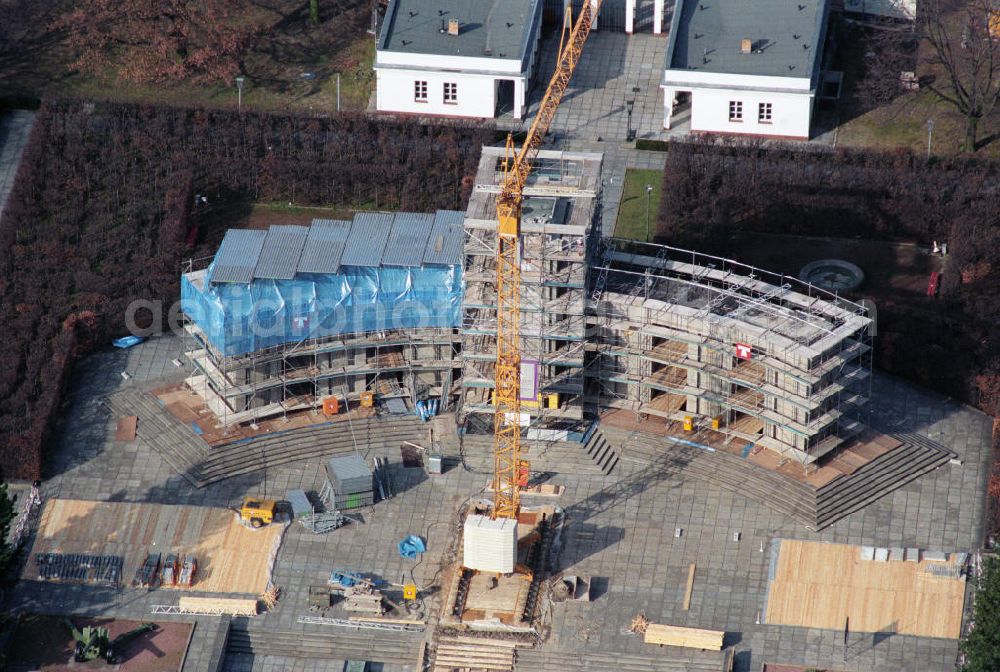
{"x": 649, "y": 191}
{"x": 629, "y": 105}
{"x": 930, "y": 134}
{"x": 239, "y": 92}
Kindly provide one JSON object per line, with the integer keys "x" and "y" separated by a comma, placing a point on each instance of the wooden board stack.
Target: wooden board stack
{"x": 692, "y": 638}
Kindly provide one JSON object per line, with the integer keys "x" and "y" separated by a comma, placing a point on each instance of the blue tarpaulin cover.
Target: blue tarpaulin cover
{"x": 409, "y": 547}
{"x": 127, "y": 341}
{"x": 240, "y": 318}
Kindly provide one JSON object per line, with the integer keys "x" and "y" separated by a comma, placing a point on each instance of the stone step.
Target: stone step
{"x": 567, "y": 457}
{"x": 666, "y": 659}
{"x": 728, "y": 472}
{"x": 374, "y": 646}
{"x": 601, "y": 452}
{"x": 876, "y": 480}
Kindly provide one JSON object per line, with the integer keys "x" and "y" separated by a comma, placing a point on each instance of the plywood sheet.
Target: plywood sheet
{"x": 692, "y": 638}
{"x": 820, "y": 585}
{"x": 231, "y": 558}
{"x": 125, "y": 431}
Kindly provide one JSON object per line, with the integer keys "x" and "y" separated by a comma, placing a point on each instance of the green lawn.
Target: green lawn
{"x": 632, "y": 211}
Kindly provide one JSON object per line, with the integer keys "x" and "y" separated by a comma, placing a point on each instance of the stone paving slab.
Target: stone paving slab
{"x": 620, "y": 529}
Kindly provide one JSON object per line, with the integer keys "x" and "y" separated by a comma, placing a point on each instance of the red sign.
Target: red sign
{"x": 743, "y": 351}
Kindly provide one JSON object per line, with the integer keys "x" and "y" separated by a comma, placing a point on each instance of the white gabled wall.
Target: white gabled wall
{"x": 476, "y": 93}
{"x": 790, "y": 112}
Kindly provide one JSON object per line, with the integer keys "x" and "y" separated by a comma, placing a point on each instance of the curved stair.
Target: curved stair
{"x": 202, "y": 465}
{"x": 374, "y": 646}
{"x": 815, "y": 507}
{"x": 666, "y": 659}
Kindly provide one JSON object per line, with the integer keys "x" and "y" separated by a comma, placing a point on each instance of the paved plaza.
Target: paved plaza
{"x": 620, "y": 530}
{"x": 15, "y": 127}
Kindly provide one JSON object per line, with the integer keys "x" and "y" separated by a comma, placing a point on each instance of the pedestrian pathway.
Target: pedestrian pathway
{"x": 15, "y": 127}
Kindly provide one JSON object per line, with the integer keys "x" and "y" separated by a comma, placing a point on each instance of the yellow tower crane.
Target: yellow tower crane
{"x": 509, "y": 471}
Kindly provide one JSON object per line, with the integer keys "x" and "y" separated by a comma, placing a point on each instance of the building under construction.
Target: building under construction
{"x": 404, "y": 306}
{"x": 282, "y": 319}
{"x": 559, "y": 218}
{"x": 716, "y": 345}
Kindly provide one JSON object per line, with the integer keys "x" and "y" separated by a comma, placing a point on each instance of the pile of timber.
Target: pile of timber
{"x": 475, "y": 654}
{"x": 364, "y": 597}
{"x": 691, "y": 638}
{"x": 212, "y": 605}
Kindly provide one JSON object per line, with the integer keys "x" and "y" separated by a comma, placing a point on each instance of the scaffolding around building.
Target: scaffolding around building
{"x": 715, "y": 344}
{"x": 561, "y": 210}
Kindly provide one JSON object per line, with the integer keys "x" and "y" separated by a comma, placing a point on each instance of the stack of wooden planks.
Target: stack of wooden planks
{"x": 692, "y": 638}
{"x": 213, "y": 605}
{"x": 462, "y": 652}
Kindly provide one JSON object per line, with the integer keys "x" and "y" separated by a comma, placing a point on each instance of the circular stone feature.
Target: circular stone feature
{"x": 833, "y": 275}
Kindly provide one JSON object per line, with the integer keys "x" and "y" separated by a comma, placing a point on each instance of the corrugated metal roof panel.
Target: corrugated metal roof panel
{"x": 408, "y": 239}
{"x": 366, "y": 243}
{"x": 238, "y": 255}
{"x": 324, "y": 246}
{"x": 279, "y": 257}
{"x": 444, "y": 245}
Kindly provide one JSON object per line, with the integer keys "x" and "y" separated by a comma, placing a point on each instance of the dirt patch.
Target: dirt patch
{"x": 43, "y": 642}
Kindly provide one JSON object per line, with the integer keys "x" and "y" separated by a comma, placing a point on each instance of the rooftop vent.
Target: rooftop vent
{"x": 746, "y": 46}
{"x": 453, "y": 27}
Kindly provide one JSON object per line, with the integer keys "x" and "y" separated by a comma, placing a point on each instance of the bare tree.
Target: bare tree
{"x": 964, "y": 56}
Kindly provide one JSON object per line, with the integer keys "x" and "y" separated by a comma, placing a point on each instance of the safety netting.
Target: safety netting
{"x": 241, "y": 318}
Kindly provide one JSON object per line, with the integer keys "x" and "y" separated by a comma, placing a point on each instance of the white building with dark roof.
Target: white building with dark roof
{"x": 751, "y": 67}
{"x": 463, "y": 58}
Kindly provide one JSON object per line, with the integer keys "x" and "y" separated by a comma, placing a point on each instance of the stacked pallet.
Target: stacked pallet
{"x": 479, "y": 654}
{"x": 364, "y": 597}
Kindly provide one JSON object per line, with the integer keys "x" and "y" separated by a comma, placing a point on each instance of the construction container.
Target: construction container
{"x": 349, "y": 475}
{"x": 354, "y": 500}
{"x": 301, "y": 506}
{"x": 367, "y": 399}
{"x": 489, "y": 545}
{"x": 435, "y": 463}
{"x": 331, "y": 406}
{"x": 688, "y": 423}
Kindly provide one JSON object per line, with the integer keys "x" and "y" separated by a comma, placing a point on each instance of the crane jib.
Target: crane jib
{"x": 509, "y": 471}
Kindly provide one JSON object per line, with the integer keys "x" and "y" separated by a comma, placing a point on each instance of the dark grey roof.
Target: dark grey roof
{"x": 324, "y": 246}
{"x": 237, "y": 256}
{"x": 372, "y": 239}
{"x": 408, "y": 239}
{"x": 787, "y": 37}
{"x": 279, "y": 259}
{"x": 444, "y": 245}
{"x": 488, "y": 28}
{"x": 369, "y": 234}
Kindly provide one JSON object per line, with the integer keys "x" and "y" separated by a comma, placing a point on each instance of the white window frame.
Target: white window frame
{"x": 420, "y": 91}
{"x": 450, "y": 94}
{"x": 765, "y": 113}
{"x": 735, "y": 111}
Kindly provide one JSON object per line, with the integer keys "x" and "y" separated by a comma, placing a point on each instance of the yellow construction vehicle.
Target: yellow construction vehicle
{"x": 257, "y": 512}
{"x": 509, "y": 470}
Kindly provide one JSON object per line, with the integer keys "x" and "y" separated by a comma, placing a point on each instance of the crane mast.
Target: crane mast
{"x": 507, "y": 464}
